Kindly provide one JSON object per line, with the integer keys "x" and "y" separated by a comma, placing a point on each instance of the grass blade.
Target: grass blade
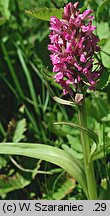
{"x": 12, "y": 71}
{"x": 47, "y": 153}
{"x": 29, "y": 80}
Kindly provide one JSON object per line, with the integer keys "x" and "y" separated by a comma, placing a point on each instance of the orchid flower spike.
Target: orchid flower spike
{"x": 73, "y": 46}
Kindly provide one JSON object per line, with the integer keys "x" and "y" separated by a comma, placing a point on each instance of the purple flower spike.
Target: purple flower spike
{"x": 73, "y": 45}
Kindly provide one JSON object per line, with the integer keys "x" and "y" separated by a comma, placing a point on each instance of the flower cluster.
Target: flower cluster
{"x": 73, "y": 46}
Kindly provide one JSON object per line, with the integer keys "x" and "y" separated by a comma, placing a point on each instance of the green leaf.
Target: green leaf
{"x": 106, "y": 118}
{"x": 19, "y": 131}
{"x": 4, "y": 8}
{"x": 29, "y": 80}
{"x": 93, "y": 149}
{"x": 17, "y": 180}
{"x": 74, "y": 142}
{"x": 104, "y": 78}
{"x": 64, "y": 102}
{"x": 14, "y": 182}
{"x": 102, "y": 7}
{"x": 105, "y": 55}
{"x": 103, "y": 31}
{"x": 3, "y": 161}
{"x": 98, "y": 108}
{"x": 103, "y": 41}
{"x": 74, "y": 154}
{"x": 47, "y": 153}
{"x": 103, "y": 192}
{"x": 45, "y": 13}
{"x": 104, "y": 195}
{"x": 85, "y": 130}
{"x": 64, "y": 189}
{"x": 99, "y": 154}
{"x": 2, "y": 130}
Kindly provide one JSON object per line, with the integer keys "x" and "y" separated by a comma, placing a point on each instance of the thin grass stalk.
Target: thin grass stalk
{"x": 12, "y": 71}
{"x": 29, "y": 81}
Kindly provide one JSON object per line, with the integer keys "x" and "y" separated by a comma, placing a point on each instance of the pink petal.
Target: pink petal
{"x": 85, "y": 14}
{"x": 83, "y": 58}
{"x": 58, "y": 76}
{"x": 78, "y": 66}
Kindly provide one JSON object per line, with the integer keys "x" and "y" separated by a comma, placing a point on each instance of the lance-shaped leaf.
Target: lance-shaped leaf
{"x": 48, "y": 153}
{"x": 89, "y": 132}
{"x": 45, "y": 13}
{"x": 64, "y": 102}
{"x": 58, "y": 99}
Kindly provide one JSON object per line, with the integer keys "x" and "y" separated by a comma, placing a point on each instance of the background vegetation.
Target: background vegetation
{"x": 27, "y": 111}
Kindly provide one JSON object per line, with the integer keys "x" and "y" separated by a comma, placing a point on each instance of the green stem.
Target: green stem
{"x": 89, "y": 169}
